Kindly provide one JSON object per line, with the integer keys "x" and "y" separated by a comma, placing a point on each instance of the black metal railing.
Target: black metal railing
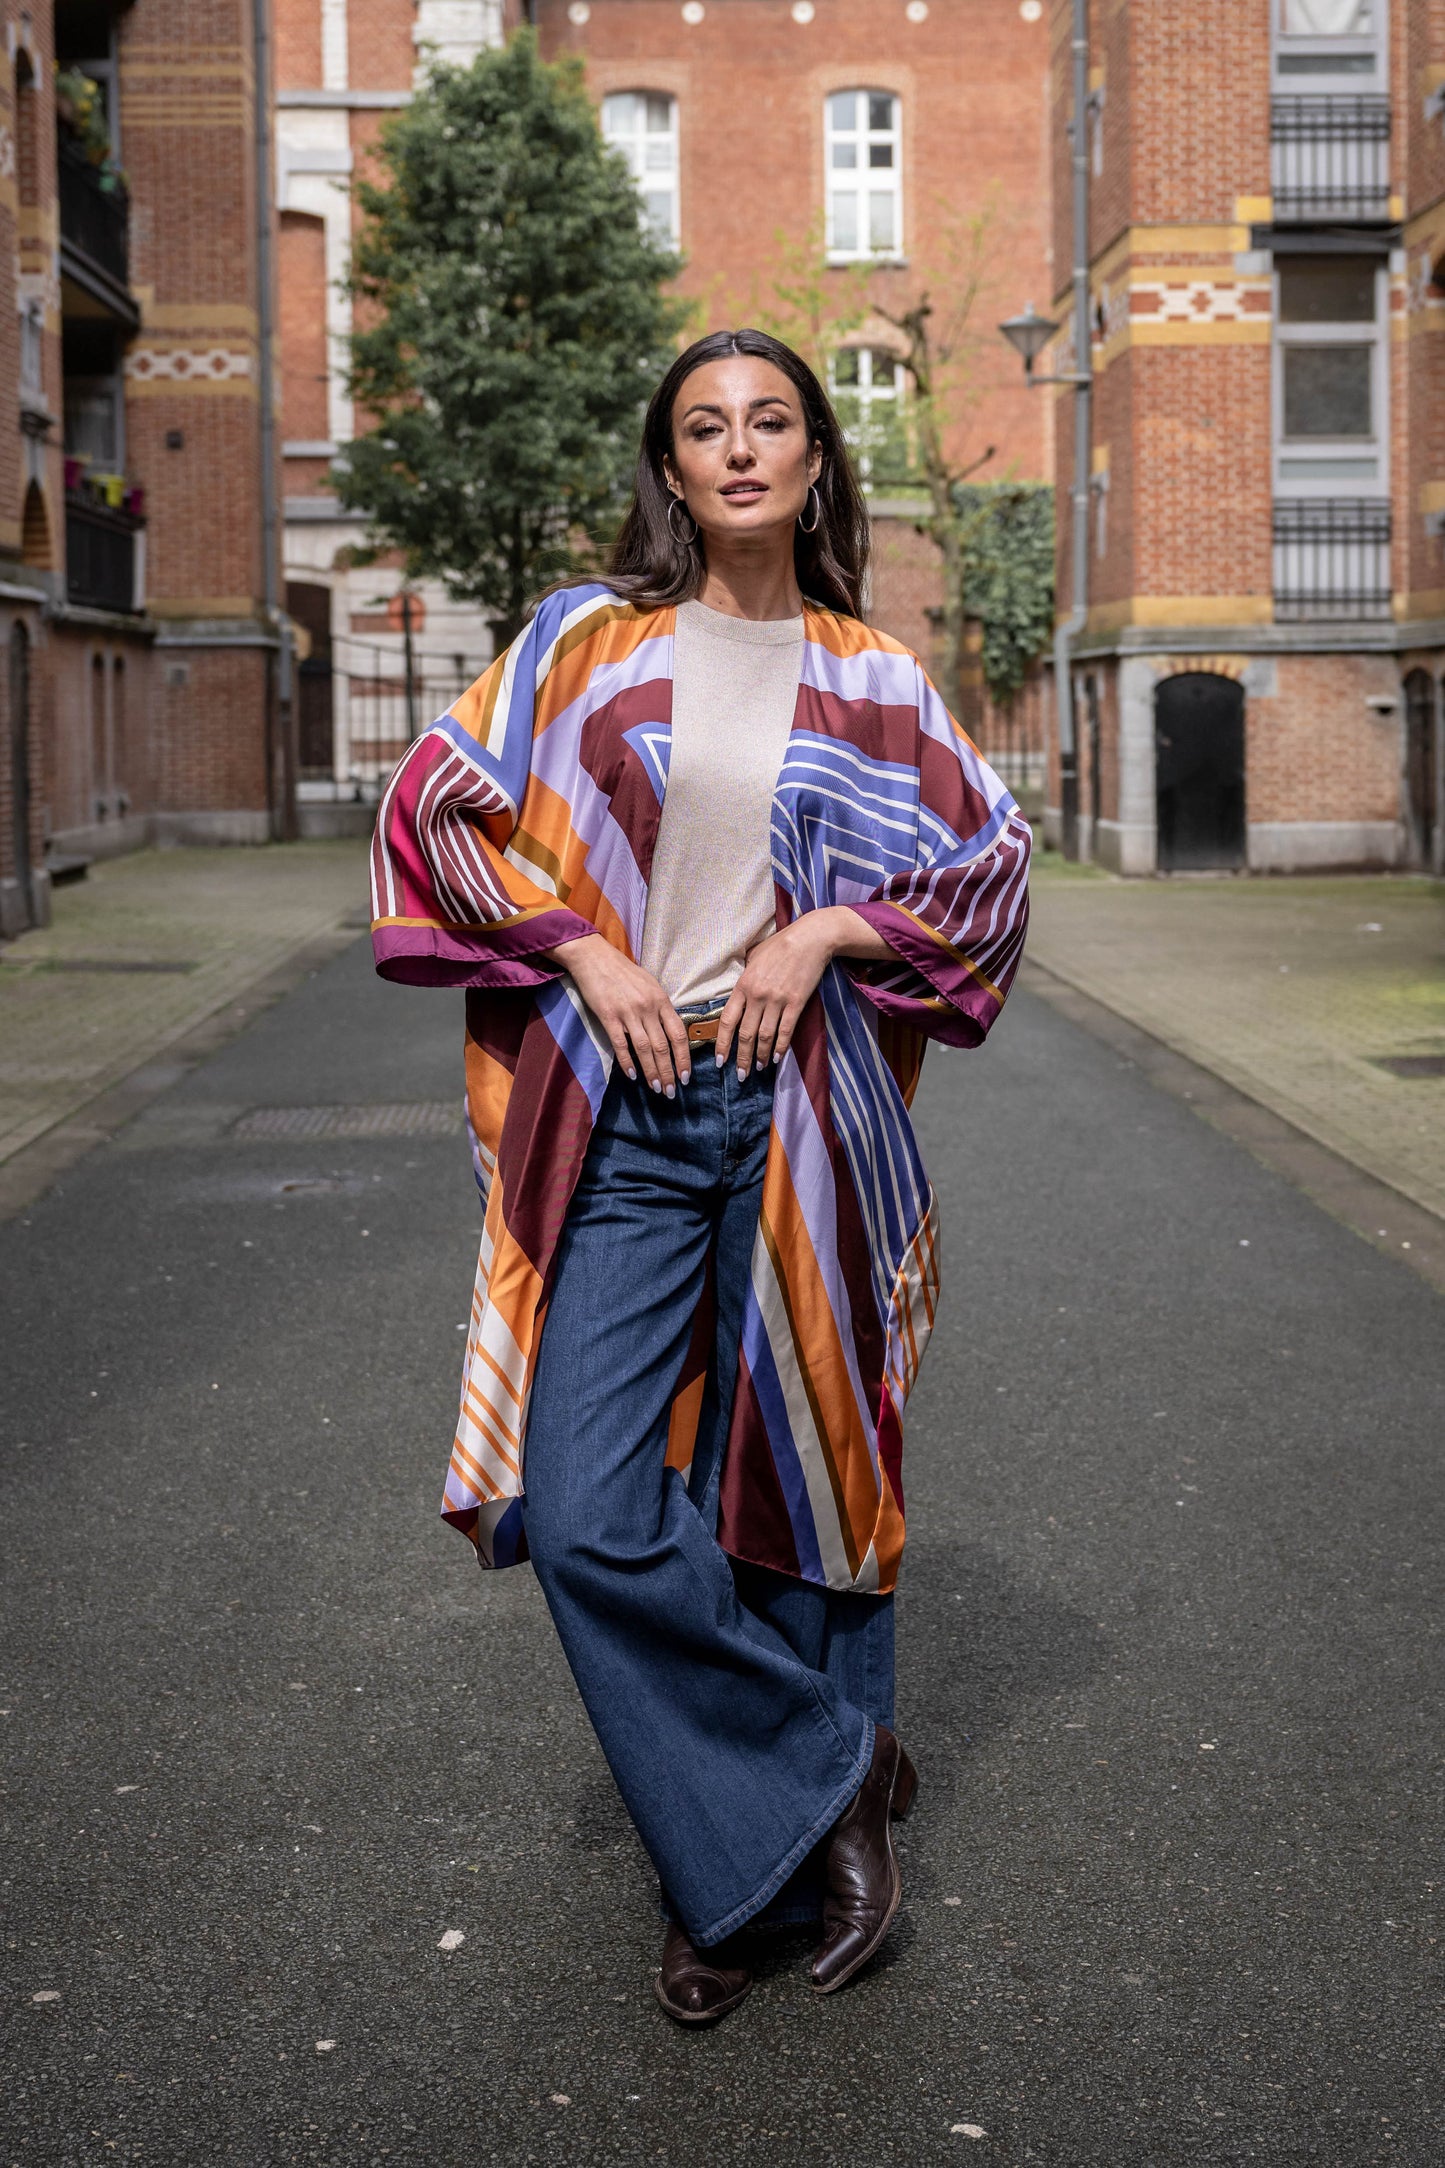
{"x": 100, "y": 556}
{"x": 1330, "y": 157}
{"x": 356, "y": 718}
{"x": 1331, "y": 558}
{"x": 94, "y": 217}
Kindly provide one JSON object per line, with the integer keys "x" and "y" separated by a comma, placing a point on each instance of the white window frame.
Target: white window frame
{"x": 635, "y": 145}
{"x": 867, "y": 179}
{"x": 1293, "y": 456}
{"x": 868, "y": 393}
{"x": 1331, "y": 64}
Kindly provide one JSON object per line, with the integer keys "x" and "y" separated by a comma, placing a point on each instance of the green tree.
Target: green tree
{"x": 511, "y": 323}
{"x": 1008, "y": 574}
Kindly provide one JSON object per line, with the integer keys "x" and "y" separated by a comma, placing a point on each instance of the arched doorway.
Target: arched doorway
{"x": 1422, "y": 770}
{"x": 19, "y": 690}
{"x": 1199, "y": 772}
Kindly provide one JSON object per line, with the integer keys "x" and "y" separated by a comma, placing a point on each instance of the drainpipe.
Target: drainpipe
{"x": 1068, "y": 628}
{"x": 281, "y": 677}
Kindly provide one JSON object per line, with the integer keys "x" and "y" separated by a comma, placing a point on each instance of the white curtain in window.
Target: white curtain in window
{"x": 1328, "y": 18}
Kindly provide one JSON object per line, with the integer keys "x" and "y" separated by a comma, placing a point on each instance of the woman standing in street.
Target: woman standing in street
{"x": 713, "y": 863}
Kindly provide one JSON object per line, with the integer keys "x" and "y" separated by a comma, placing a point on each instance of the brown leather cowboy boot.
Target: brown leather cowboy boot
{"x": 864, "y": 1887}
{"x": 693, "y": 1985}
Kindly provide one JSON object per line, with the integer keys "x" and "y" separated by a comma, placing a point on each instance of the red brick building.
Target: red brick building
{"x": 784, "y": 144}
{"x": 341, "y": 67}
{"x": 786, "y": 148}
{"x": 138, "y": 692}
{"x": 1259, "y": 680}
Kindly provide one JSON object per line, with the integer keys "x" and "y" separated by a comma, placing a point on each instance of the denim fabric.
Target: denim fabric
{"x": 735, "y": 1706}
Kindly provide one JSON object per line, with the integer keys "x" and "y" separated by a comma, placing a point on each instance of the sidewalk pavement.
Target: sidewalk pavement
{"x": 146, "y": 949}
{"x": 1294, "y": 991}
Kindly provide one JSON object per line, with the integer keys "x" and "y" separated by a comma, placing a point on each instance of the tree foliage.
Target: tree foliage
{"x": 510, "y": 325}
{"x": 1008, "y": 574}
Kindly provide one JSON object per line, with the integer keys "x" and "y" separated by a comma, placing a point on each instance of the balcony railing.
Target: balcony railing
{"x": 1331, "y": 559}
{"x": 94, "y": 219}
{"x": 102, "y": 551}
{"x": 1330, "y": 157}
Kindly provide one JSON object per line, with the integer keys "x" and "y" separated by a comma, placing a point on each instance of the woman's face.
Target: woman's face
{"x": 741, "y": 456}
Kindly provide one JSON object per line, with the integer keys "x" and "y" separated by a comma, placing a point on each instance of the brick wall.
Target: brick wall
{"x": 971, "y": 79}
{"x": 1316, "y": 751}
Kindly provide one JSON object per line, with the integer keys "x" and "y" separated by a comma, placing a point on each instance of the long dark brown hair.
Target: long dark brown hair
{"x": 649, "y": 563}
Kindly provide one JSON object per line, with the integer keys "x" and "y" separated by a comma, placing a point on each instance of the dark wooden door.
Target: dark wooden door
{"x": 20, "y": 766}
{"x": 1199, "y": 772}
{"x": 1421, "y": 768}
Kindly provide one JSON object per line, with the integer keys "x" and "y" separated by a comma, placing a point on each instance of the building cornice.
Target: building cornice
{"x": 350, "y": 101}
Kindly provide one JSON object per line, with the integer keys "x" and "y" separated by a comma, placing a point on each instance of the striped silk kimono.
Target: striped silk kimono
{"x": 525, "y": 817}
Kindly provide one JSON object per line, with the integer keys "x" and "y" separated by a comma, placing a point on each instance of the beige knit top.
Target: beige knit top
{"x": 734, "y": 689}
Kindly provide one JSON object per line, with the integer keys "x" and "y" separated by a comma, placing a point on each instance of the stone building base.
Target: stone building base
{"x": 1326, "y": 755}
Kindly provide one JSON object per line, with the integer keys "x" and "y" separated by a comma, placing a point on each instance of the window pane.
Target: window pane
{"x": 658, "y": 208}
{"x": 619, "y": 113}
{"x": 659, "y": 155}
{"x": 845, "y": 155}
{"x": 1327, "y": 290}
{"x": 880, "y": 111}
{"x": 843, "y": 109}
{"x": 845, "y": 365}
{"x": 880, "y": 220}
{"x": 659, "y": 114}
{"x": 1327, "y": 391}
{"x": 1327, "y": 18}
{"x": 880, "y": 154}
{"x": 845, "y": 219}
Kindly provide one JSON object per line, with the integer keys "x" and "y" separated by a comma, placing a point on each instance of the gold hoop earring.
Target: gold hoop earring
{"x": 816, "y": 496}
{"x": 686, "y": 540}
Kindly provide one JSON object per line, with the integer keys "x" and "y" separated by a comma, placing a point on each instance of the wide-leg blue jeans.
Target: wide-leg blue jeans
{"x": 735, "y": 1706}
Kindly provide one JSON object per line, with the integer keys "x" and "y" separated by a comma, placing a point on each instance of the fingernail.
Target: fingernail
{"x": 721, "y": 1061}
{"x": 742, "y": 1076}
{"x": 777, "y": 1057}
{"x": 759, "y": 1067}
{"x": 657, "y": 1084}
{"x": 686, "y": 1077}
{"x": 631, "y": 1075}
{"x": 671, "y": 1090}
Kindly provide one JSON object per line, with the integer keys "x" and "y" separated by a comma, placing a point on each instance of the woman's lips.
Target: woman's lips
{"x": 744, "y": 489}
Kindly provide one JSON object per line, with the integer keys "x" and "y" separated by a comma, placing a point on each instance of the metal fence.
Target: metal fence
{"x": 1330, "y": 156}
{"x": 360, "y": 706}
{"x": 1331, "y": 558}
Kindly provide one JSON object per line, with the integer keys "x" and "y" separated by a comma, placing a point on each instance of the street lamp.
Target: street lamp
{"x": 1029, "y": 334}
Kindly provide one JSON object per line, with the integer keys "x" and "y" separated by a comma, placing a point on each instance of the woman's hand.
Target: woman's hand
{"x": 632, "y": 1009}
{"x": 779, "y": 980}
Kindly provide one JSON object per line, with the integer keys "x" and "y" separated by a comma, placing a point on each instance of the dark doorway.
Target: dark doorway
{"x": 310, "y": 605}
{"x": 1199, "y": 772}
{"x": 20, "y": 767}
{"x": 1422, "y": 769}
{"x": 1091, "y": 711}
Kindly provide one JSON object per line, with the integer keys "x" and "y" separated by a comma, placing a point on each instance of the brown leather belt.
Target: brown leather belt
{"x": 702, "y": 1030}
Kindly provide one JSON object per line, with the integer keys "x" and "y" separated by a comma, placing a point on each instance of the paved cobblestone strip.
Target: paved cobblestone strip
{"x": 144, "y": 950}
{"x": 1322, "y": 999}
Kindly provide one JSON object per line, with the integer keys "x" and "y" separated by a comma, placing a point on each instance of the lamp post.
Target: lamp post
{"x": 1029, "y": 334}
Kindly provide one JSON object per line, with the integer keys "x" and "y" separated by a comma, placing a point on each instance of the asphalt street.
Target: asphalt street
{"x": 1169, "y": 1646}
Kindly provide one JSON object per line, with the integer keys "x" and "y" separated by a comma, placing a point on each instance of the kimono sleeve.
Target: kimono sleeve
{"x": 450, "y": 906}
{"x": 956, "y": 920}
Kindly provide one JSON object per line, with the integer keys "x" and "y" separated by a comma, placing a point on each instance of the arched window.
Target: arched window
{"x": 863, "y": 151}
{"x": 36, "y": 547}
{"x": 642, "y": 124}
